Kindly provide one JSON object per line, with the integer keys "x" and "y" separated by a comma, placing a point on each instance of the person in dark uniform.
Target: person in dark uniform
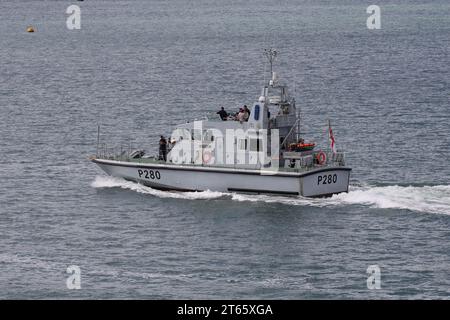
{"x": 162, "y": 149}
{"x": 223, "y": 114}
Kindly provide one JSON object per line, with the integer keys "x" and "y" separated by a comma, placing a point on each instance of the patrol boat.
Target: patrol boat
{"x": 261, "y": 151}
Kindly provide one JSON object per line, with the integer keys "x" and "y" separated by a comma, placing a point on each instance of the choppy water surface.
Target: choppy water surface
{"x": 140, "y": 67}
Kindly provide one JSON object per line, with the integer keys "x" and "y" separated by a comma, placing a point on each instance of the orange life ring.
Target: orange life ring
{"x": 321, "y": 157}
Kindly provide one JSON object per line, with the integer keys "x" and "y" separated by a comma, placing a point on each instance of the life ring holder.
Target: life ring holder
{"x": 321, "y": 158}
{"x": 207, "y": 157}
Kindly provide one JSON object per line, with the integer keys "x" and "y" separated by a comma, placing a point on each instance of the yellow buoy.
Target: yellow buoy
{"x": 30, "y": 29}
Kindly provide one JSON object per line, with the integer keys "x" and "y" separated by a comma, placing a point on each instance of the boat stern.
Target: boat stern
{"x": 325, "y": 182}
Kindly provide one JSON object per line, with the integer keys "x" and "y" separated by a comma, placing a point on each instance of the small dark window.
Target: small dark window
{"x": 256, "y": 115}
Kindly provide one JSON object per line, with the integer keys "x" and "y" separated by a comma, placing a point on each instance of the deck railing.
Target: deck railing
{"x": 304, "y": 162}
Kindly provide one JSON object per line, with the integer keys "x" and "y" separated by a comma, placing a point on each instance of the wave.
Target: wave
{"x": 113, "y": 182}
{"x": 430, "y": 199}
{"x": 57, "y": 266}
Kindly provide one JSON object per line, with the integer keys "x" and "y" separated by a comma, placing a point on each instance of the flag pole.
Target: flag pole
{"x": 331, "y": 138}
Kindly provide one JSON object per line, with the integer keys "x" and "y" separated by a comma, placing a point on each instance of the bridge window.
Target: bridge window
{"x": 196, "y": 134}
{"x": 256, "y": 145}
{"x": 242, "y": 144}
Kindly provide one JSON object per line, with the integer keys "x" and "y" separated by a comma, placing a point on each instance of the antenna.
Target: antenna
{"x": 271, "y": 54}
{"x": 265, "y": 64}
{"x": 98, "y": 139}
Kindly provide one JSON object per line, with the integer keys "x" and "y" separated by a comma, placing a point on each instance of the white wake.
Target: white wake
{"x": 113, "y": 182}
{"x": 430, "y": 199}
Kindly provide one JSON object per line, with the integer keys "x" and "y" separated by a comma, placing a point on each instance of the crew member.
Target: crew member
{"x": 247, "y": 113}
{"x": 241, "y": 115}
{"x": 162, "y": 149}
{"x": 223, "y": 114}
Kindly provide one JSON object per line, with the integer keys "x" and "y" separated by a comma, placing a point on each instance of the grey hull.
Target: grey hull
{"x": 315, "y": 183}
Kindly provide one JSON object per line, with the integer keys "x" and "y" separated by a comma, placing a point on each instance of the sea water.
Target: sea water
{"x": 138, "y": 68}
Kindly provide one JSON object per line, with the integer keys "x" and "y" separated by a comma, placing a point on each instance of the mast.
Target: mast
{"x": 98, "y": 139}
{"x": 299, "y": 118}
{"x": 271, "y": 54}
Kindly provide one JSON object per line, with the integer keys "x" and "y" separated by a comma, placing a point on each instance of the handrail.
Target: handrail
{"x": 290, "y": 131}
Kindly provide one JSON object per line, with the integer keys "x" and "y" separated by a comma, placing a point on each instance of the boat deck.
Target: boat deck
{"x": 154, "y": 160}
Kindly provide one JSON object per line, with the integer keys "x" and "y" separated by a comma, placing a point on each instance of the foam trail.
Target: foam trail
{"x": 295, "y": 201}
{"x": 113, "y": 182}
{"x": 430, "y": 199}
